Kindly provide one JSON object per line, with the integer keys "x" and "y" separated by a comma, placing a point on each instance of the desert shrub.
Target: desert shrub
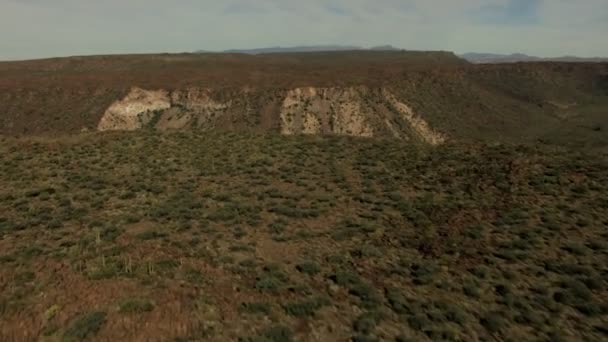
{"x": 277, "y": 333}
{"x": 85, "y": 326}
{"x": 369, "y": 297}
{"x": 576, "y": 249}
{"x": 150, "y": 235}
{"x": 345, "y": 278}
{"x": 136, "y": 305}
{"x": 256, "y": 308}
{"x": 419, "y": 322}
{"x": 480, "y": 271}
{"x": 530, "y": 317}
{"x": 494, "y": 322}
{"x": 295, "y": 211}
{"x": 579, "y": 289}
{"x": 277, "y": 227}
{"x": 24, "y": 277}
{"x": 597, "y": 245}
{"x": 442, "y": 334}
{"x": 366, "y": 252}
{"x": 248, "y": 263}
{"x": 7, "y": 258}
{"x": 308, "y": 267}
{"x": 110, "y": 234}
{"x": 238, "y": 232}
{"x": 593, "y": 282}
{"x": 55, "y": 224}
{"x": 456, "y": 315}
{"x": 224, "y": 214}
{"x": 424, "y": 273}
{"x": 592, "y": 308}
{"x": 306, "y": 307}
{"x": 398, "y": 302}
{"x": 502, "y": 290}
{"x": 241, "y": 248}
{"x": 268, "y": 283}
{"x": 111, "y": 269}
{"x": 193, "y": 276}
{"x": 366, "y": 293}
{"x": 366, "y": 322}
{"x": 364, "y": 338}
{"x": 472, "y": 290}
{"x": 404, "y": 338}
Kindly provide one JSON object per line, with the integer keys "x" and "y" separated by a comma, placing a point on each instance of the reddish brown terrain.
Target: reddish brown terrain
{"x": 345, "y": 196}
{"x": 511, "y": 102}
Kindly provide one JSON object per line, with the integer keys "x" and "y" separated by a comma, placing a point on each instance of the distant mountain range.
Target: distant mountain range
{"x": 472, "y": 57}
{"x": 312, "y": 48}
{"x": 519, "y": 57}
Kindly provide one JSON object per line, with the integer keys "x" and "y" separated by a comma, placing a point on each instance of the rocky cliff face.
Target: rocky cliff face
{"x": 135, "y": 110}
{"x": 355, "y": 111}
{"x": 326, "y": 111}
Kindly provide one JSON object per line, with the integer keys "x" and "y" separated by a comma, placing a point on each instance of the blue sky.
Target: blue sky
{"x": 44, "y": 28}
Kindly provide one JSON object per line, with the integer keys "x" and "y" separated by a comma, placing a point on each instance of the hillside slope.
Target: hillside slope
{"x": 416, "y": 96}
{"x": 180, "y": 236}
{"x": 474, "y": 57}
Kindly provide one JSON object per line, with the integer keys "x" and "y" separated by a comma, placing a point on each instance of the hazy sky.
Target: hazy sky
{"x": 43, "y": 28}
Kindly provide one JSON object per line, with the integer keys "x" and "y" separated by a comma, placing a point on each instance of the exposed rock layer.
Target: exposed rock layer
{"x": 355, "y": 111}
{"x": 135, "y": 110}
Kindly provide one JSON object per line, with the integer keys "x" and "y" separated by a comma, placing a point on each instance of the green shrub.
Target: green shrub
{"x": 419, "y": 322}
{"x": 308, "y": 267}
{"x": 277, "y": 333}
{"x": 150, "y": 235}
{"x": 256, "y": 308}
{"x": 136, "y": 305}
{"x": 305, "y": 308}
{"x": 24, "y": 277}
{"x": 268, "y": 283}
{"x": 364, "y": 338}
{"x": 480, "y": 272}
{"x": 85, "y": 326}
{"x": 578, "y": 290}
{"x": 472, "y": 290}
{"x": 424, "y": 273}
{"x": 277, "y": 227}
{"x": 494, "y": 322}
{"x": 398, "y": 302}
{"x": 366, "y": 323}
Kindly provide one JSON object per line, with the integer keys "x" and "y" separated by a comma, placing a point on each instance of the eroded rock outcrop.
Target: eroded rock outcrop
{"x": 355, "y": 111}
{"x": 325, "y": 111}
{"x": 135, "y": 110}
{"x": 165, "y": 110}
{"x": 417, "y": 123}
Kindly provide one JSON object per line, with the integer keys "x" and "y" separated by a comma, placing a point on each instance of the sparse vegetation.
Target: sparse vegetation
{"x": 245, "y": 235}
{"x": 85, "y": 326}
{"x": 136, "y": 305}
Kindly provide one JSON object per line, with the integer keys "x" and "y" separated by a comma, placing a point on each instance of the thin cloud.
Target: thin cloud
{"x": 514, "y": 12}
{"x": 37, "y": 28}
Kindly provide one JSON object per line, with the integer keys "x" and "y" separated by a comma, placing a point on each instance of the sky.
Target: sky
{"x": 547, "y": 28}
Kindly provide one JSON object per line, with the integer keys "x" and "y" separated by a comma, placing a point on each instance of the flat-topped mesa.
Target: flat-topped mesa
{"x": 355, "y": 111}
{"x": 434, "y": 95}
